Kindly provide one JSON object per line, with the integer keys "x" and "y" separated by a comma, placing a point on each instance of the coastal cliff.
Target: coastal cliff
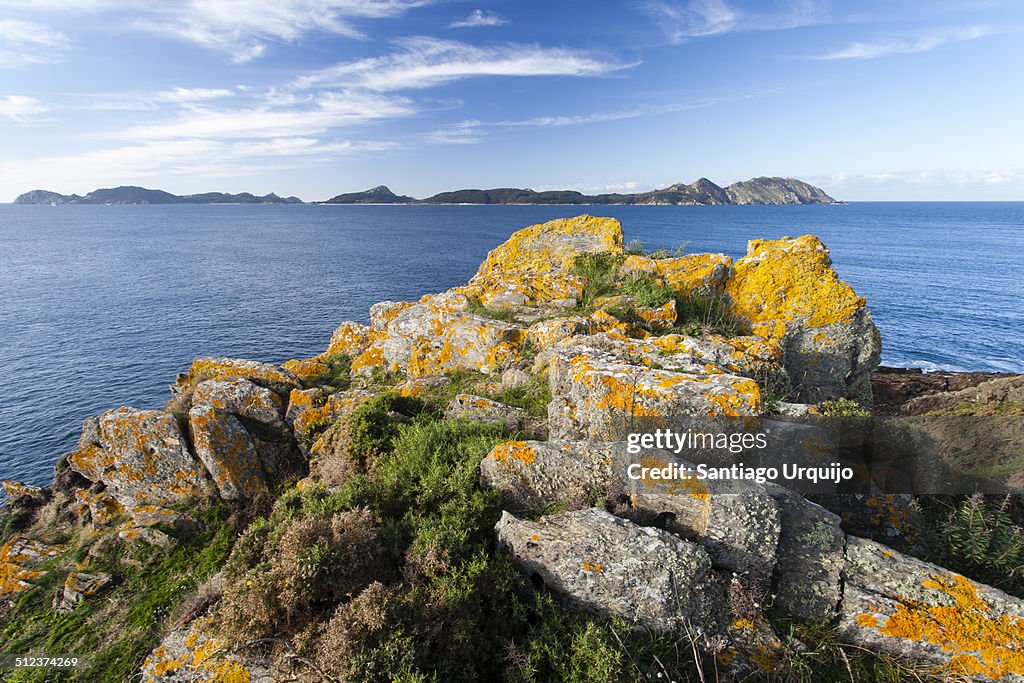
{"x": 424, "y": 499}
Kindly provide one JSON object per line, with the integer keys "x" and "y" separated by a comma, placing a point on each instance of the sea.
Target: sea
{"x": 102, "y": 306}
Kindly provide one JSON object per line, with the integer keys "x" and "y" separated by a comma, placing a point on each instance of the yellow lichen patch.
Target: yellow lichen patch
{"x": 593, "y": 567}
{"x": 504, "y": 289}
{"x": 349, "y": 339}
{"x": 744, "y": 398}
{"x": 963, "y": 623}
{"x": 682, "y": 273}
{"x": 785, "y": 280}
{"x": 14, "y": 554}
{"x": 305, "y": 369}
{"x": 200, "y": 653}
{"x": 207, "y": 368}
{"x": 551, "y": 247}
{"x": 373, "y": 357}
{"x": 867, "y": 620}
{"x": 511, "y": 453}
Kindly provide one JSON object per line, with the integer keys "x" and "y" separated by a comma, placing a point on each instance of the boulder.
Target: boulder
{"x": 919, "y": 611}
{"x": 533, "y": 475}
{"x": 192, "y": 653}
{"x": 23, "y": 495}
{"x": 595, "y": 392}
{"x": 224, "y": 447}
{"x": 17, "y": 556}
{"x": 787, "y": 290}
{"x": 77, "y": 587}
{"x": 551, "y": 248}
{"x": 349, "y": 339}
{"x": 140, "y": 455}
{"x": 810, "y": 558}
{"x": 682, "y": 273}
{"x": 613, "y": 567}
{"x": 481, "y": 409}
{"x": 242, "y": 398}
{"x": 221, "y": 368}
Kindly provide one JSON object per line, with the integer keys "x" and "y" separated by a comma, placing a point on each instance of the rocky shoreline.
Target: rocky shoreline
{"x": 422, "y": 500}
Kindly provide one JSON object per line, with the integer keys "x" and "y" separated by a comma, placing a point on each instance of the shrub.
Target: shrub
{"x": 646, "y": 290}
{"x": 339, "y": 372}
{"x": 704, "y": 310}
{"x": 843, "y": 407}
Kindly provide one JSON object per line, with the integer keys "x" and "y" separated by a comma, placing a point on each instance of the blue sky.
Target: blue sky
{"x": 868, "y": 99}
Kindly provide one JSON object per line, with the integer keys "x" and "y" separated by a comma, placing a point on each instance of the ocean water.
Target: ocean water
{"x": 101, "y": 306}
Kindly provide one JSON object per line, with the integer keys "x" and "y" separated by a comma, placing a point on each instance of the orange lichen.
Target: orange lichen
{"x": 691, "y": 486}
{"x": 511, "y": 452}
{"x": 551, "y": 247}
{"x": 963, "y": 624}
{"x": 785, "y": 280}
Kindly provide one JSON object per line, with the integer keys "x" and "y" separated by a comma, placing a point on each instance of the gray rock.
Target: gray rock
{"x": 140, "y": 455}
{"x": 481, "y": 409}
{"x": 613, "y": 567}
{"x": 77, "y": 587}
{"x": 536, "y": 474}
{"x": 810, "y": 558}
{"x": 244, "y": 399}
{"x": 514, "y": 377}
{"x": 228, "y": 453}
{"x": 920, "y": 611}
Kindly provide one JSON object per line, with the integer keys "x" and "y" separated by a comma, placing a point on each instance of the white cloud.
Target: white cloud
{"x": 21, "y": 108}
{"x": 185, "y": 95}
{"x": 165, "y": 158}
{"x": 478, "y": 18}
{"x": 464, "y": 133}
{"x": 921, "y": 43}
{"x": 682, "y": 22}
{"x": 425, "y": 62}
{"x": 328, "y": 110}
{"x": 243, "y": 29}
{"x": 934, "y": 177}
{"x": 25, "y": 42}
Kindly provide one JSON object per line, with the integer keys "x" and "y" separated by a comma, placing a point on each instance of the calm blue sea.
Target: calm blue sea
{"x": 101, "y": 306}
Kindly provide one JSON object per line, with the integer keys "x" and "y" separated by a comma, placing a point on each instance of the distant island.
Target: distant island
{"x": 701, "y": 192}
{"x": 761, "y": 190}
{"x": 130, "y": 194}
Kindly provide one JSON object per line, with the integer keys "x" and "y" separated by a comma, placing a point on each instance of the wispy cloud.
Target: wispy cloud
{"x": 685, "y": 21}
{"x": 185, "y": 95}
{"x": 240, "y": 29}
{"x": 23, "y": 43}
{"x": 21, "y": 108}
{"x": 932, "y": 177}
{"x": 478, "y": 18}
{"x": 168, "y": 158}
{"x": 326, "y": 111}
{"x": 921, "y": 43}
{"x": 463, "y": 133}
{"x": 424, "y": 62}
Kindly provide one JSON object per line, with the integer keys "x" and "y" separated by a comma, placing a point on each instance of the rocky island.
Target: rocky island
{"x": 130, "y": 194}
{"x": 439, "y": 496}
{"x": 700, "y": 192}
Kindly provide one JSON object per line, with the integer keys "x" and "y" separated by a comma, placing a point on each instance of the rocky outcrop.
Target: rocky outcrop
{"x": 894, "y": 388}
{"x": 787, "y": 290}
{"x": 18, "y": 556}
{"x": 776, "y": 191}
{"x": 194, "y": 654}
{"x": 602, "y": 563}
{"x": 141, "y": 456}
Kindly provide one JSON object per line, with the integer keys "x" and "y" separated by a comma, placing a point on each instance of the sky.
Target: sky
{"x": 868, "y": 99}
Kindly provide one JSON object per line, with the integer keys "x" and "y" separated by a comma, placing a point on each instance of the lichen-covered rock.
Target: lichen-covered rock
{"x": 547, "y": 332}
{"x": 223, "y": 446}
{"x": 789, "y": 292}
{"x": 349, "y": 339}
{"x": 535, "y": 474}
{"x": 810, "y": 558}
{"x": 140, "y": 455}
{"x": 482, "y": 409}
{"x": 16, "y": 557}
{"x": 682, "y": 273}
{"x": 102, "y": 506}
{"x": 77, "y": 587}
{"x": 608, "y": 565}
{"x": 553, "y": 246}
{"x": 307, "y": 370}
{"x": 193, "y": 654}
{"x": 335, "y": 406}
{"x": 147, "y": 535}
{"x": 594, "y": 391}
{"x": 23, "y": 495}
{"x": 419, "y": 386}
{"x": 920, "y": 611}
{"x": 221, "y": 368}
{"x": 301, "y": 400}
{"x": 244, "y": 399}
{"x": 736, "y": 522}
{"x": 503, "y": 290}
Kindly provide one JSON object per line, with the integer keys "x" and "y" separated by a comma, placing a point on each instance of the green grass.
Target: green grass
{"x": 116, "y": 629}
{"x": 843, "y": 407}
{"x": 600, "y": 271}
{"x": 339, "y": 372}
{"x": 533, "y": 396}
{"x": 504, "y": 315}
